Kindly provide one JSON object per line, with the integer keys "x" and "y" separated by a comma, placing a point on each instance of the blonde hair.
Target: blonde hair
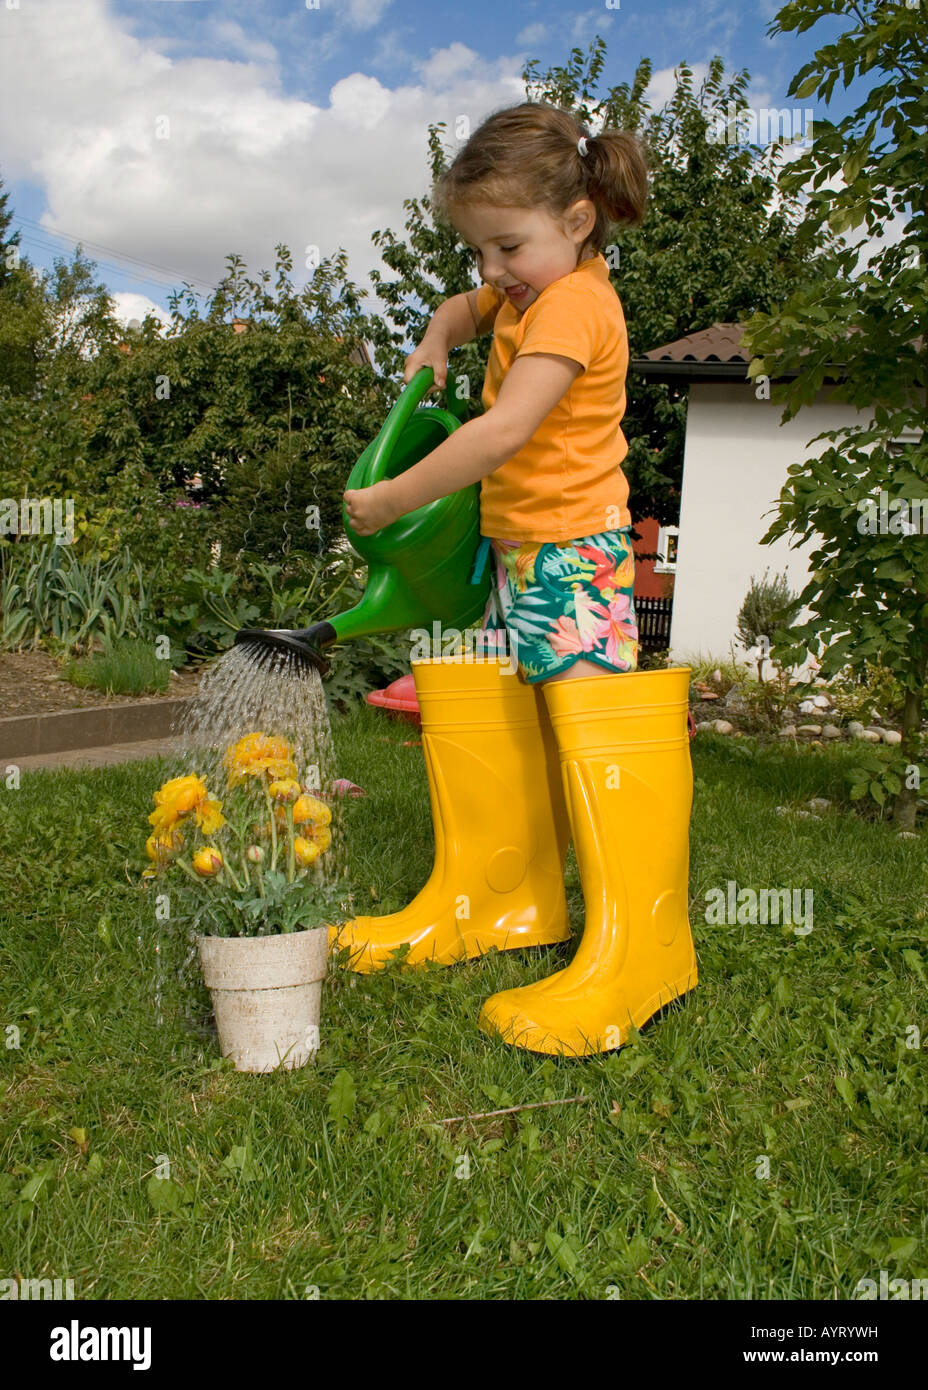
{"x": 527, "y": 156}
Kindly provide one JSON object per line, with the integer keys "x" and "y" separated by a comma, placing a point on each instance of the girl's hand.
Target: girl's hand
{"x": 430, "y": 353}
{"x": 370, "y": 508}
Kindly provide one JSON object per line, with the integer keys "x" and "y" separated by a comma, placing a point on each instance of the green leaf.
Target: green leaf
{"x": 808, "y": 86}
{"x": 565, "y": 1250}
{"x": 914, "y": 961}
{"x": 166, "y": 1195}
{"x": 341, "y": 1099}
{"x": 846, "y": 1091}
{"x": 36, "y": 1189}
{"x": 240, "y": 1162}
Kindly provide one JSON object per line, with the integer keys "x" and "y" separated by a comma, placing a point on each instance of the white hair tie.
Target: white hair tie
{"x": 582, "y": 146}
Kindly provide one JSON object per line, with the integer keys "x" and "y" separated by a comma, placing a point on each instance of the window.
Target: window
{"x": 667, "y": 550}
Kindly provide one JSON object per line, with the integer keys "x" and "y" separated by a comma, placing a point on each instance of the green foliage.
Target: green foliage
{"x": 872, "y": 692}
{"x": 219, "y": 909}
{"x": 271, "y": 419}
{"x": 768, "y": 604}
{"x": 49, "y": 595}
{"x": 767, "y": 702}
{"x": 868, "y": 592}
{"x": 341, "y": 1099}
{"x": 127, "y": 666}
{"x": 879, "y": 774}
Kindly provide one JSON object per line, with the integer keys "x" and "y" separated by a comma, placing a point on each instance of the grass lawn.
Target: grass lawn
{"x": 338, "y": 1178}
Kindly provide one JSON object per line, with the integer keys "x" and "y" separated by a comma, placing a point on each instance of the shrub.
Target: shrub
{"x": 127, "y": 666}
{"x": 768, "y": 604}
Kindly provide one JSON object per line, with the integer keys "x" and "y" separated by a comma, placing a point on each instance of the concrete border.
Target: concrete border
{"x": 33, "y": 735}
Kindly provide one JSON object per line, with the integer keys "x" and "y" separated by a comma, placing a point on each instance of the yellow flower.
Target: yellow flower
{"x": 310, "y": 808}
{"x": 321, "y": 835}
{"x": 209, "y": 817}
{"x": 287, "y": 789}
{"x": 175, "y": 799}
{"x": 161, "y": 846}
{"x": 305, "y": 851}
{"x": 255, "y": 754}
{"x": 207, "y": 861}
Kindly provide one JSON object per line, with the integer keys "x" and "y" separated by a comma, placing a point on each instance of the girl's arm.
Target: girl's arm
{"x": 453, "y": 323}
{"x": 532, "y": 388}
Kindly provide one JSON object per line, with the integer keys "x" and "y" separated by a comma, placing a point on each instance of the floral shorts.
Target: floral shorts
{"x": 551, "y": 605}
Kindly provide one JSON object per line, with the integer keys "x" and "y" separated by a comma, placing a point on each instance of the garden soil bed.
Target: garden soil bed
{"x": 31, "y": 682}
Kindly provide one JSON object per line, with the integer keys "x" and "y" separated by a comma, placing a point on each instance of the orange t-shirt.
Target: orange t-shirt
{"x": 566, "y": 481}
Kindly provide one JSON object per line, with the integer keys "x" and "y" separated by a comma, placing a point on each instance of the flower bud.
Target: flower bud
{"x": 286, "y": 790}
{"x": 207, "y": 861}
{"x": 254, "y": 854}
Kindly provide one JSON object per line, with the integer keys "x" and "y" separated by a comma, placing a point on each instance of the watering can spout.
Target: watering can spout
{"x": 419, "y": 567}
{"x": 270, "y": 645}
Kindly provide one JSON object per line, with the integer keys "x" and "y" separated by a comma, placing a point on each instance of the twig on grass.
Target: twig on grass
{"x": 511, "y": 1109}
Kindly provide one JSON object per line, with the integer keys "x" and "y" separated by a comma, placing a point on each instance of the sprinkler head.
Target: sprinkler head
{"x": 274, "y": 644}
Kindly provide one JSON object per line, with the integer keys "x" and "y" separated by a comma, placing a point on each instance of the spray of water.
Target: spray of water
{"x": 272, "y": 692}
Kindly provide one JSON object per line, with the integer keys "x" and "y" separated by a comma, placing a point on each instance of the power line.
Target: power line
{"x": 31, "y": 241}
{"x": 175, "y": 276}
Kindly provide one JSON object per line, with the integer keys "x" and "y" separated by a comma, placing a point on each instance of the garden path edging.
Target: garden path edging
{"x": 32, "y": 735}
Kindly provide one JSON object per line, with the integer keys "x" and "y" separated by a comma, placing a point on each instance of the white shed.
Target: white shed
{"x": 736, "y": 454}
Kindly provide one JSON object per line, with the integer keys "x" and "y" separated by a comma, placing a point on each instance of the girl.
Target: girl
{"x": 534, "y": 194}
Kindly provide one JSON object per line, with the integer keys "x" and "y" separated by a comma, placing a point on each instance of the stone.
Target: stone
{"x": 830, "y": 731}
{"x": 869, "y": 736}
{"x": 788, "y": 732}
{"x": 892, "y": 736}
{"x": 819, "y": 803}
{"x": 855, "y": 727}
{"x": 807, "y": 707}
{"x": 722, "y": 726}
{"x": 702, "y": 724}
{"x": 821, "y": 702}
{"x": 810, "y": 728}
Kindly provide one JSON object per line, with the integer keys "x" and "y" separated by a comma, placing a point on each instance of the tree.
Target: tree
{"x": 868, "y": 594}
{"x": 710, "y": 249}
{"x": 261, "y": 396}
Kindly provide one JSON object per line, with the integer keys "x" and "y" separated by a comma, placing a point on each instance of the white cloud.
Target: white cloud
{"x": 231, "y": 35}
{"x": 127, "y": 306}
{"x": 532, "y": 34}
{"x": 246, "y": 165}
{"x": 364, "y": 14}
{"x": 586, "y": 26}
{"x": 446, "y": 63}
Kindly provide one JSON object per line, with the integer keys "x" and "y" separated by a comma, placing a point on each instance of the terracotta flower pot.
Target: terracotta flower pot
{"x": 267, "y": 994}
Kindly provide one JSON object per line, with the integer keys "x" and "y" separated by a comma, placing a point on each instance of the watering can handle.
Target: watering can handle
{"x": 395, "y": 423}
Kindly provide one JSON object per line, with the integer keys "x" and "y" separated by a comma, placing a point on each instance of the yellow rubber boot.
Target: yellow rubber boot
{"x": 499, "y": 819}
{"x": 628, "y": 779}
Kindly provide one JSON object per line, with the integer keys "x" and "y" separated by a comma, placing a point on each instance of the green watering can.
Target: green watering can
{"x": 420, "y": 566}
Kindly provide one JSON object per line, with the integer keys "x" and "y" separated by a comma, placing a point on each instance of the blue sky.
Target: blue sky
{"x": 166, "y": 133}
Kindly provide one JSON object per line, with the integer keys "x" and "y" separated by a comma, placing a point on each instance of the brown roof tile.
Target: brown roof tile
{"x": 720, "y": 343}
